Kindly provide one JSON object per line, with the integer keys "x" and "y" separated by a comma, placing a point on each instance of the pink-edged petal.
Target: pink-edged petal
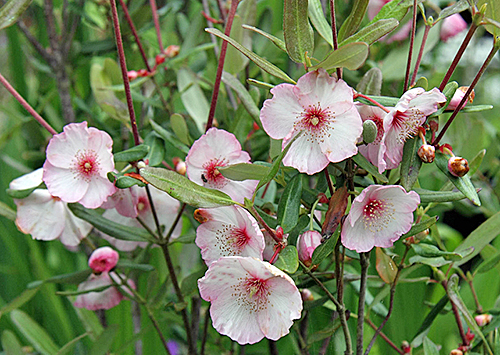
{"x": 40, "y": 215}
{"x": 99, "y": 188}
{"x": 318, "y": 86}
{"x": 101, "y": 143}
{"x": 238, "y": 190}
{"x": 279, "y": 114}
{"x": 64, "y": 146}
{"x": 124, "y": 200}
{"x": 357, "y": 237}
{"x": 103, "y": 259}
{"x": 63, "y": 183}
{"x": 305, "y": 155}
{"x": 106, "y": 299}
{"x": 427, "y": 102}
{"x": 27, "y": 181}
{"x": 75, "y": 229}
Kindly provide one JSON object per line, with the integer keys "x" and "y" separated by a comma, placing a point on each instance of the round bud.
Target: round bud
{"x": 426, "y": 153}
{"x": 406, "y": 347}
{"x": 159, "y": 59}
{"x": 458, "y": 166}
{"x": 483, "y": 319}
{"x": 181, "y": 168}
{"x": 456, "y": 352}
{"x": 132, "y": 74}
{"x": 369, "y": 131}
{"x": 171, "y": 51}
{"x": 307, "y": 295}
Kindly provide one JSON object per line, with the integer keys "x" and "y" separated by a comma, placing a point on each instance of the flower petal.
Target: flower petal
{"x": 63, "y": 183}
{"x": 99, "y": 188}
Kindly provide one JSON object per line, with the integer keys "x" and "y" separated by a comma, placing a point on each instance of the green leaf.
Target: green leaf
{"x": 277, "y": 42}
{"x": 69, "y": 346}
{"x": 455, "y": 8}
{"x": 492, "y": 12}
{"x": 124, "y": 182}
{"x": 244, "y": 171}
{"x": 454, "y": 295}
{"x": 10, "y": 344}
{"x": 169, "y": 137}
{"x": 480, "y": 237}
{"x": 430, "y": 251}
{"x": 461, "y": 183}
{"x": 488, "y": 264}
{"x": 184, "y": 190}
{"x": 420, "y": 227}
{"x": 20, "y": 194}
{"x": 71, "y": 278}
{"x": 317, "y": 17}
{"x": 259, "y": 61}
{"x": 350, "y": 56}
{"x": 386, "y": 268}
{"x": 427, "y": 196}
{"x": 244, "y": 96}
{"x": 393, "y": 10}
{"x": 180, "y": 128}
{"x": 436, "y": 262}
{"x": 410, "y": 164}
{"x": 288, "y": 260}
{"x": 298, "y": 33}
{"x": 363, "y": 163}
{"x": 371, "y": 82}
{"x": 189, "y": 284}
{"x": 325, "y": 248}
{"x": 429, "y": 319}
{"x": 422, "y": 82}
{"x": 289, "y": 205}
{"x": 11, "y": 11}
{"x": 156, "y": 150}
{"x": 430, "y": 348}
{"x": 109, "y": 227}
{"x": 193, "y": 98}
{"x": 7, "y": 212}
{"x": 129, "y": 264}
{"x": 17, "y": 302}
{"x": 476, "y": 108}
{"x": 133, "y": 154}
{"x": 34, "y": 333}
{"x": 352, "y": 22}
{"x": 103, "y": 343}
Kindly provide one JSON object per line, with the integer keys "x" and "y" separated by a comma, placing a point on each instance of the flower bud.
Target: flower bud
{"x": 426, "y": 153}
{"x": 132, "y": 74}
{"x": 306, "y": 244}
{"x": 103, "y": 259}
{"x": 159, "y": 59}
{"x": 469, "y": 335}
{"x": 307, "y": 295}
{"x": 458, "y": 166}
{"x": 180, "y": 165}
{"x": 458, "y": 96}
{"x": 452, "y": 26}
{"x": 433, "y": 124}
{"x": 171, "y": 51}
{"x": 456, "y": 352}
{"x": 369, "y": 131}
{"x": 483, "y": 319}
{"x": 142, "y": 73}
{"x": 406, "y": 347}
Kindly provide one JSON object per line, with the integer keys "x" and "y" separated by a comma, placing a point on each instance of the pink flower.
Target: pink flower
{"x": 403, "y": 121}
{"x": 452, "y": 26}
{"x": 103, "y": 259}
{"x": 251, "y": 299}
{"x": 375, "y": 114}
{"x": 166, "y": 208}
{"x": 228, "y": 231}
{"x": 306, "y": 244}
{"x": 102, "y": 298}
{"x": 46, "y": 217}
{"x": 374, "y": 6}
{"x": 125, "y": 201}
{"x": 378, "y": 217}
{"x": 218, "y": 148}
{"x": 458, "y": 96}
{"x": 77, "y": 163}
{"x": 320, "y": 106}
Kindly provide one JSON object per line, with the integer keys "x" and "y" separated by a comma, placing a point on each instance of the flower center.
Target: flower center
{"x": 212, "y": 177}
{"x": 316, "y": 121}
{"x": 256, "y": 288}
{"x": 377, "y": 214}
{"x": 252, "y": 294}
{"x": 85, "y": 165}
{"x": 231, "y": 239}
{"x": 142, "y": 204}
{"x": 407, "y": 123}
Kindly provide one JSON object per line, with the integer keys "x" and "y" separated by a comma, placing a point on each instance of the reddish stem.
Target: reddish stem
{"x": 334, "y": 33}
{"x": 420, "y": 54}
{"x": 383, "y": 336}
{"x": 457, "y": 316}
{"x": 356, "y": 95}
{"x": 220, "y": 66}
{"x": 154, "y": 10}
{"x": 26, "y": 105}
{"x": 412, "y": 41}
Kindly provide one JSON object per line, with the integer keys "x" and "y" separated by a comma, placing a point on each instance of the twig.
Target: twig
{"x": 205, "y": 331}
{"x": 34, "y": 42}
{"x": 383, "y": 336}
{"x": 412, "y": 41}
{"x": 334, "y": 33}
{"x": 154, "y": 11}
{"x": 479, "y": 308}
{"x": 444, "y": 283}
{"x": 365, "y": 262}
{"x": 420, "y": 54}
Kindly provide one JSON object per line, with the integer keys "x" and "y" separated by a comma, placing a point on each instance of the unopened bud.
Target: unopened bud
{"x": 458, "y": 96}
{"x": 458, "y": 166}
{"x": 159, "y": 59}
{"x": 426, "y": 153}
{"x": 307, "y": 295}
{"x": 433, "y": 124}
{"x": 369, "y": 131}
{"x": 406, "y": 347}
{"x": 179, "y": 165}
{"x": 171, "y": 51}
{"x": 142, "y": 73}
{"x": 483, "y": 319}
{"x": 306, "y": 244}
{"x": 438, "y": 275}
{"x": 469, "y": 335}
{"x": 456, "y": 352}
{"x": 132, "y": 74}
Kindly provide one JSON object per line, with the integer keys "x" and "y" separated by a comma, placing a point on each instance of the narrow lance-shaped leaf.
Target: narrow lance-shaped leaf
{"x": 259, "y": 61}
{"x": 393, "y": 9}
{"x": 373, "y": 32}
{"x": 350, "y": 56}
{"x": 420, "y": 227}
{"x": 133, "y": 154}
{"x": 244, "y": 96}
{"x": 459, "y": 6}
{"x": 11, "y": 11}
{"x": 34, "y": 333}
{"x": 299, "y": 37}
{"x": 427, "y": 196}
{"x": 289, "y": 205}
{"x": 410, "y": 164}
{"x": 354, "y": 19}
{"x": 10, "y": 344}
{"x": 277, "y": 42}
{"x": 184, "y": 190}
{"x": 317, "y": 17}
{"x": 362, "y": 162}
{"x": 244, "y": 171}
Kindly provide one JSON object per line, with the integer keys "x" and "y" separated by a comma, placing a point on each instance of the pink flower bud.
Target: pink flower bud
{"x": 142, "y": 73}
{"x": 171, "y": 51}
{"x": 306, "y": 244}
{"x": 103, "y": 259}
{"x": 180, "y": 165}
{"x": 458, "y": 166}
{"x": 132, "y": 74}
{"x": 426, "y": 153}
{"x": 456, "y": 352}
{"x": 458, "y": 96}
{"x": 483, "y": 319}
{"x": 452, "y": 26}
{"x": 159, "y": 59}
{"x": 306, "y": 295}
{"x": 406, "y": 347}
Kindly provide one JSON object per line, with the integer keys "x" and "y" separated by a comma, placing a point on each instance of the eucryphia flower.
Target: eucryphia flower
{"x": 103, "y": 259}
{"x": 452, "y": 26}
{"x": 251, "y": 299}
{"x": 378, "y": 217}
{"x": 166, "y": 209}
{"x": 227, "y": 231}
{"x": 402, "y": 122}
{"x": 306, "y": 244}
{"x": 44, "y": 216}
{"x": 320, "y": 106}
{"x": 77, "y": 163}
{"x": 218, "y": 148}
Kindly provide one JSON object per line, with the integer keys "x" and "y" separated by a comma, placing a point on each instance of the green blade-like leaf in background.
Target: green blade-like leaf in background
{"x": 430, "y": 348}
{"x": 18, "y": 301}
{"x": 103, "y": 343}
{"x": 492, "y": 12}
{"x": 184, "y": 190}
{"x": 455, "y": 8}
{"x": 288, "y": 260}
{"x": 180, "y": 128}
{"x": 427, "y": 196}
{"x": 133, "y": 154}
{"x": 244, "y": 171}
{"x": 36, "y": 335}
{"x": 362, "y": 162}
{"x": 299, "y": 36}
{"x": 277, "y": 42}
{"x": 350, "y": 56}
{"x": 371, "y": 82}
{"x": 318, "y": 19}
{"x": 410, "y": 164}
{"x": 289, "y": 205}
{"x": 192, "y": 93}
{"x": 244, "y": 96}
{"x": 11, "y": 11}
{"x": 373, "y": 32}
{"x": 354, "y": 19}
{"x": 10, "y": 344}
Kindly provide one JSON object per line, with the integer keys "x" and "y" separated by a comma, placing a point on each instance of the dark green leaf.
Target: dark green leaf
{"x": 20, "y": 194}
{"x": 325, "y": 248}
{"x": 363, "y": 163}
{"x": 461, "y": 183}
{"x": 430, "y": 348}
{"x": 259, "y": 61}
{"x": 373, "y": 32}
{"x": 190, "y": 283}
{"x": 411, "y": 163}
{"x": 244, "y": 96}
{"x": 488, "y": 264}
{"x": 244, "y": 171}
{"x": 289, "y": 205}
{"x": 10, "y": 344}
{"x": 317, "y": 17}
{"x": 180, "y": 128}
{"x": 420, "y": 227}
{"x": 11, "y": 11}
{"x": 299, "y": 36}
{"x": 288, "y": 260}
{"x": 455, "y": 8}
{"x": 427, "y": 196}
{"x": 109, "y": 227}
{"x": 17, "y": 302}
{"x": 436, "y": 262}
{"x": 103, "y": 343}
{"x": 429, "y": 319}
{"x": 371, "y": 82}
{"x": 350, "y": 56}
{"x": 184, "y": 190}
{"x": 71, "y": 278}
{"x": 167, "y": 136}
{"x": 128, "y": 264}
{"x": 34, "y": 333}
{"x": 124, "y": 182}
{"x": 133, "y": 154}
{"x": 277, "y": 42}
{"x": 156, "y": 150}
{"x": 430, "y": 251}
{"x": 324, "y": 333}
{"x": 352, "y": 22}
